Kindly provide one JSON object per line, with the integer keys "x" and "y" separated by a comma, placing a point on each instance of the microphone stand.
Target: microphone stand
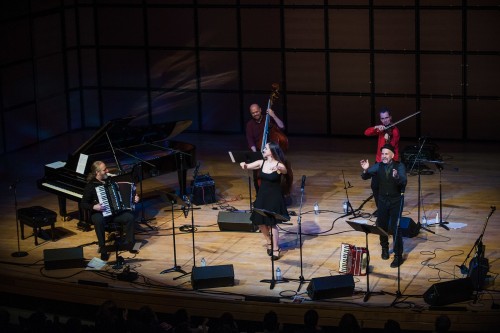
{"x": 479, "y": 256}
{"x": 299, "y": 223}
{"x": 398, "y": 244}
{"x": 19, "y": 253}
{"x": 275, "y": 217}
{"x": 419, "y": 192}
{"x": 441, "y": 223}
{"x": 350, "y": 210}
{"x": 189, "y": 202}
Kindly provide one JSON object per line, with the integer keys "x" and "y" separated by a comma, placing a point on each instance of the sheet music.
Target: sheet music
{"x": 82, "y": 163}
{"x": 232, "y": 157}
{"x": 56, "y": 165}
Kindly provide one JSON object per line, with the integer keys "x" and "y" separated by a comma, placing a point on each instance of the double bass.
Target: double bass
{"x": 273, "y": 133}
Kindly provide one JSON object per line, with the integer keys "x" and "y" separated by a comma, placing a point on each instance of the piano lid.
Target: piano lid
{"x": 122, "y": 135}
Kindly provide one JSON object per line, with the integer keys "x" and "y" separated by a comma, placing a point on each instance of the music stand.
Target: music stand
{"x": 274, "y": 217}
{"x": 174, "y": 199}
{"x": 247, "y": 157}
{"x": 367, "y": 229}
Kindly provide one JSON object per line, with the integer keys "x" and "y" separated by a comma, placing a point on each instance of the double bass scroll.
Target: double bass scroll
{"x": 273, "y": 133}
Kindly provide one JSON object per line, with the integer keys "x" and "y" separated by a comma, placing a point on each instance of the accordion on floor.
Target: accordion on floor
{"x": 116, "y": 197}
{"x": 353, "y": 260}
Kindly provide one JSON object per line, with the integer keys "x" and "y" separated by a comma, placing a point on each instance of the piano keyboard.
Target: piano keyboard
{"x": 61, "y": 189}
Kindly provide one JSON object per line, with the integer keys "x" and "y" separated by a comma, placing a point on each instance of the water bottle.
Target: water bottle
{"x": 437, "y": 218}
{"x": 316, "y": 208}
{"x": 344, "y": 206}
{"x": 424, "y": 221}
{"x": 278, "y": 274}
{"x": 203, "y": 262}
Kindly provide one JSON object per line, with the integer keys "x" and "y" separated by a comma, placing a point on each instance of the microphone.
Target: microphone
{"x": 303, "y": 183}
{"x": 14, "y": 184}
{"x": 186, "y": 211}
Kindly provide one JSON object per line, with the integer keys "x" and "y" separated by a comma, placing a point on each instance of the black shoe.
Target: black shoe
{"x": 269, "y": 250}
{"x": 104, "y": 256}
{"x": 274, "y": 256}
{"x": 385, "y": 254}
{"x": 398, "y": 260}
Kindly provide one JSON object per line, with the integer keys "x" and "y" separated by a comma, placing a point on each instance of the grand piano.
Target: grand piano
{"x": 131, "y": 153}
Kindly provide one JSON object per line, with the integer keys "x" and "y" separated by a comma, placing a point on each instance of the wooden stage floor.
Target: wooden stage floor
{"x": 470, "y": 186}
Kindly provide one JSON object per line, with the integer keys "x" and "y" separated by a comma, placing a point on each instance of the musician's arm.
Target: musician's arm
{"x": 252, "y": 166}
{"x": 89, "y": 199}
{"x": 276, "y": 119}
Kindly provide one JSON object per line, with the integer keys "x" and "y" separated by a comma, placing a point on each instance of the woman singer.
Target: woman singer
{"x": 274, "y": 185}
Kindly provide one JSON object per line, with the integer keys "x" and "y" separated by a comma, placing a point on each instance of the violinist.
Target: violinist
{"x": 255, "y": 131}
{"x": 385, "y": 136}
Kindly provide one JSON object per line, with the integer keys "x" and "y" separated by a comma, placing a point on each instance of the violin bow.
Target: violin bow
{"x": 399, "y": 121}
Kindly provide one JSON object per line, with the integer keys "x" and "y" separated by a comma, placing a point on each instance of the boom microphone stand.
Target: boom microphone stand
{"x": 419, "y": 192}
{"x": 19, "y": 253}
{"x": 442, "y": 224}
{"x": 173, "y": 200}
{"x": 398, "y": 294}
{"x": 299, "y": 222}
{"x": 350, "y": 210}
{"x": 189, "y": 203}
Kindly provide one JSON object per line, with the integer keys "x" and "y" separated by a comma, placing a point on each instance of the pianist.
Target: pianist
{"x": 99, "y": 176}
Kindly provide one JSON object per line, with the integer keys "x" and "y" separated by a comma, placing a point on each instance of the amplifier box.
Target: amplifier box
{"x": 203, "y": 190}
{"x": 235, "y": 221}
{"x": 212, "y": 276}
{"x": 63, "y": 258}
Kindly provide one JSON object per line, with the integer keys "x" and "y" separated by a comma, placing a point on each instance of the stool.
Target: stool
{"x": 36, "y": 217}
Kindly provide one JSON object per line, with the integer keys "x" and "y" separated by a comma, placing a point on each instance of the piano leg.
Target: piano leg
{"x": 62, "y": 207}
{"x": 84, "y": 223}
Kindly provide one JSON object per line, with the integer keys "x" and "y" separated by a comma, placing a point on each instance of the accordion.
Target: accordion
{"x": 116, "y": 197}
{"x": 353, "y": 260}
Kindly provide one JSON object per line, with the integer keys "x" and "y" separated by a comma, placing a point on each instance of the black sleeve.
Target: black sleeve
{"x": 89, "y": 197}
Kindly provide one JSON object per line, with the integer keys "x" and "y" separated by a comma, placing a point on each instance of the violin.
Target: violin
{"x": 273, "y": 133}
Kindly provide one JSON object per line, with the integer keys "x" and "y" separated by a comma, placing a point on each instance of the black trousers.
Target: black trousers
{"x": 387, "y": 219}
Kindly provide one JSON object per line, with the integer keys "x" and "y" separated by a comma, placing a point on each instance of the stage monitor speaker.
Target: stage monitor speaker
{"x": 330, "y": 287}
{"x": 448, "y": 292}
{"x": 63, "y": 258}
{"x": 212, "y": 276}
{"x": 235, "y": 221}
{"x": 408, "y": 227}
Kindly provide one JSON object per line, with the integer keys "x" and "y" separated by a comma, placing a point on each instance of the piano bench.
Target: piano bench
{"x": 36, "y": 217}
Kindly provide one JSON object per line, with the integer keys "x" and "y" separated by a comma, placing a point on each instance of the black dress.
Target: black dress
{"x": 270, "y": 197}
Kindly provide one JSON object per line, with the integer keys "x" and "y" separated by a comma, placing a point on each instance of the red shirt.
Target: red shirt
{"x": 255, "y": 131}
{"x": 394, "y": 141}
